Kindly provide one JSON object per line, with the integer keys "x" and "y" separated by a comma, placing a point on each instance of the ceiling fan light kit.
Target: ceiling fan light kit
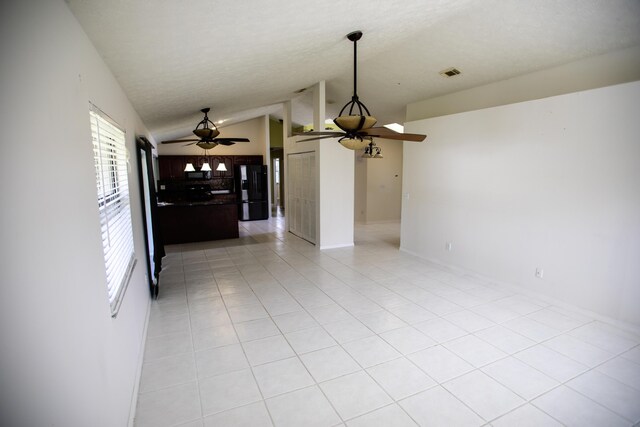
{"x": 206, "y": 129}
{"x": 372, "y": 151}
{"x": 355, "y": 143}
{"x": 356, "y": 121}
{"x": 207, "y": 133}
{"x": 206, "y": 145}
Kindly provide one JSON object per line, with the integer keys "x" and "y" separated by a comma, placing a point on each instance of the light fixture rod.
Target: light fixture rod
{"x": 355, "y": 68}
{"x": 354, "y": 37}
{"x": 355, "y": 102}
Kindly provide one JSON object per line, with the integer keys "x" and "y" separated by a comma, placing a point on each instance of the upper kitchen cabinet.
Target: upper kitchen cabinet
{"x": 201, "y": 160}
{"x": 228, "y": 163}
{"x": 171, "y": 167}
{"x": 247, "y": 160}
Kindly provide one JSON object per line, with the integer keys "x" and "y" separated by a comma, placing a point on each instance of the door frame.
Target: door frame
{"x": 149, "y": 204}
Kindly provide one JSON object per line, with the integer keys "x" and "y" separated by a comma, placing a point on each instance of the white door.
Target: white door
{"x": 301, "y": 184}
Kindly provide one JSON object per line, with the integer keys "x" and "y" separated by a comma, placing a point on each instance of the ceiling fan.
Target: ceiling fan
{"x": 357, "y": 123}
{"x": 207, "y": 133}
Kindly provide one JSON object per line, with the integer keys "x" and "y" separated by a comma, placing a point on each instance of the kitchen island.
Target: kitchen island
{"x": 198, "y": 221}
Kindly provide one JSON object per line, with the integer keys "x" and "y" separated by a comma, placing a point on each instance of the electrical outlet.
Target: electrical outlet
{"x": 539, "y": 272}
{"x": 448, "y": 246}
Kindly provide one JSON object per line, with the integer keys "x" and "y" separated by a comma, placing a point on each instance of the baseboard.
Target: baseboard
{"x": 136, "y": 385}
{"x": 348, "y": 245}
{"x": 626, "y": 326}
{"x": 384, "y": 221}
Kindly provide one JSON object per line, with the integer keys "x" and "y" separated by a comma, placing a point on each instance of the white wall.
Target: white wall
{"x": 255, "y": 130}
{"x": 360, "y": 190}
{"x": 336, "y": 201}
{"x": 63, "y": 360}
{"x": 551, "y": 183}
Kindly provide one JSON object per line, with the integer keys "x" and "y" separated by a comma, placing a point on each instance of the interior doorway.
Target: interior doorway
{"x": 277, "y": 184}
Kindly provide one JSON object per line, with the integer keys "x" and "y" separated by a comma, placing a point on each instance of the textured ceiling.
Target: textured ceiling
{"x": 243, "y": 58}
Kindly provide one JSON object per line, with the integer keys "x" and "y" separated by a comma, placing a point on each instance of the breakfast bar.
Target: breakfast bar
{"x": 184, "y": 222}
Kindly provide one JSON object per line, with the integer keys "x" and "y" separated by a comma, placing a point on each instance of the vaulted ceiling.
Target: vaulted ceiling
{"x": 243, "y": 58}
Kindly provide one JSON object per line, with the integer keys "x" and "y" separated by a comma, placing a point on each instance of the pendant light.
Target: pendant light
{"x": 221, "y": 167}
{"x": 372, "y": 151}
{"x": 205, "y": 166}
{"x": 189, "y": 167}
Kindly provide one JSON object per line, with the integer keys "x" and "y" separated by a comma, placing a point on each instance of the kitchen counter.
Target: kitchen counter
{"x": 198, "y": 203}
{"x": 198, "y": 221}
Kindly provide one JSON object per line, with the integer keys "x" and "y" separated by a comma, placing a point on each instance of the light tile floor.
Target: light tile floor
{"x": 268, "y": 330}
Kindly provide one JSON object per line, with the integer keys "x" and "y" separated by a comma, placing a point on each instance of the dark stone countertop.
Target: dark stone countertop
{"x": 212, "y": 202}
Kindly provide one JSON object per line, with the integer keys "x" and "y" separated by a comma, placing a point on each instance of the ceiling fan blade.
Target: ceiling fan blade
{"x": 173, "y": 141}
{"x": 379, "y": 130}
{"x": 223, "y": 140}
{"x": 334, "y": 133}
{"x": 382, "y": 132}
{"x": 191, "y": 143}
{"x": 413, "y": 137}
{"x": 338, "y": 134}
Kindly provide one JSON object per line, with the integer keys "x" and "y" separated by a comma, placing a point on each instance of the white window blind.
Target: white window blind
{"x": 110, "y": 158}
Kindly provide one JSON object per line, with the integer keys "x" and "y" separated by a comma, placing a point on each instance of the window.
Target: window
{"x": 110, "y": 158}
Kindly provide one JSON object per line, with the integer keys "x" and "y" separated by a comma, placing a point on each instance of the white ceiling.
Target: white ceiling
{"x": 243, "y": 58}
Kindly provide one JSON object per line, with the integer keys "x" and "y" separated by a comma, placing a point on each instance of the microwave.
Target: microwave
{"x": 198, "y": 175}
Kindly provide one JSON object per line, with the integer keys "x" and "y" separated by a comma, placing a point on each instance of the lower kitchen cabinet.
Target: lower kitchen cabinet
{"x": 198, "y": 222}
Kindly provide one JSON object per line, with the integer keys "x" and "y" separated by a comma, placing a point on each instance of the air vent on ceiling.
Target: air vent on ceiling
{"x": 450, "y": 72}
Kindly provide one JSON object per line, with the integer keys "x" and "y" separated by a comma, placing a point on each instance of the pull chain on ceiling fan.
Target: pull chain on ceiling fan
{"x": 357, "y": 122}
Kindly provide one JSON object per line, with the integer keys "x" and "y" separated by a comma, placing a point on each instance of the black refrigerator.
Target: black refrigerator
{"x": 252, "y": 188}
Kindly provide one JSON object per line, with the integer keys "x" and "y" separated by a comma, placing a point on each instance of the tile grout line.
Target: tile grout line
{"x": 350, "y": 284}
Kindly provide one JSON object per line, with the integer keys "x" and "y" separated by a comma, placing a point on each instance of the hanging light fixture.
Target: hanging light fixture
{"x": 357, "y": 115}
{"x": 354, "y": 143}
{"x": 189, "y": 168}
{"x": 355, "y": 121}
{"x": 372, "y": 151}
{"x": 206, "y": 129}
{"x": 221, "y": 167}
{"x": 205, "y": 166}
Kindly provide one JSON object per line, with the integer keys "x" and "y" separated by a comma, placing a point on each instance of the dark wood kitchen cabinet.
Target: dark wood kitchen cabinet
{"x": 201, "y": 160}
{"x": 171, "y": 167}
{"x": 247, "y": 160}
{"x": 198, "y": 222}
{"x": 228, "y": 162}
